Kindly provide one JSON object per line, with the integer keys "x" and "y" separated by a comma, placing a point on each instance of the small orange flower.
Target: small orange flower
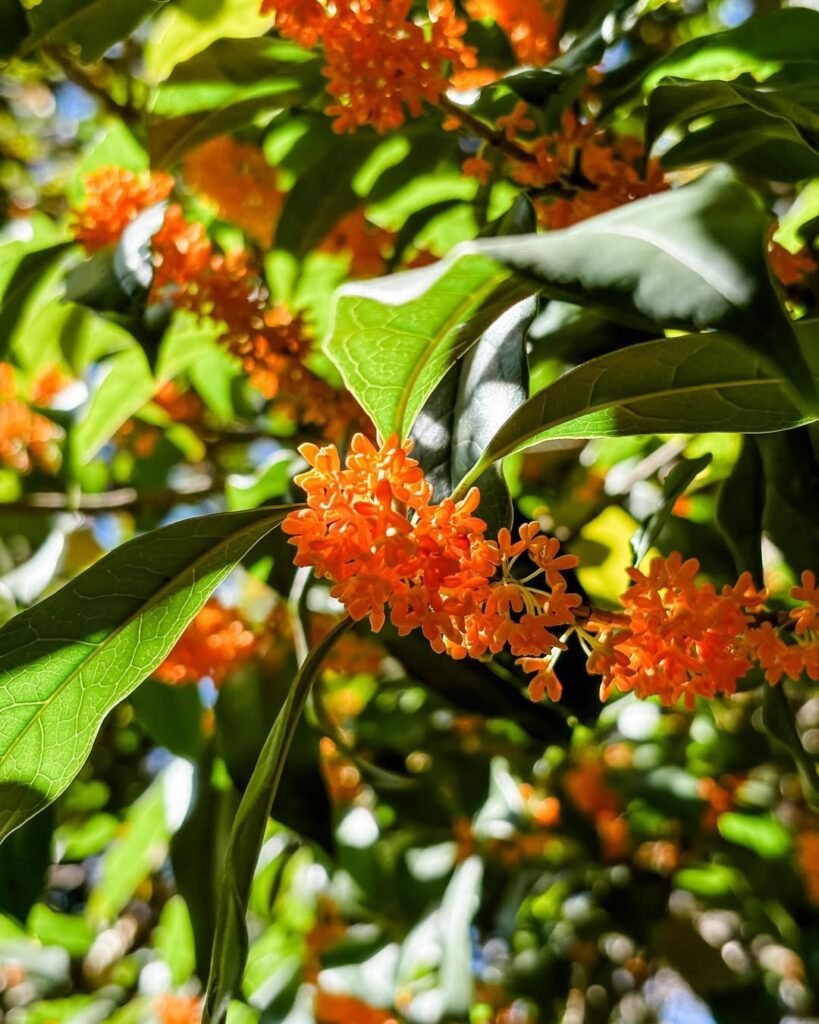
{"x": 178, "y": 1009}
{"x": 517, "y": 121}
{"x": 531, "y": 26}
{"x": 241, "y": 183}
{"x": 367, "y": 245}
{"x": 27, "y": 439}
{"x": 215, "y": 643}
{"x": 114, "y": 196}
{"x": 478, "y": 167}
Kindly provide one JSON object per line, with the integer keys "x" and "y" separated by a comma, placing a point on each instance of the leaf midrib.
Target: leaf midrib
{"x": 78, "y": 672}
{"x": 474, "y": 301}
{"x": 644, "y": 395}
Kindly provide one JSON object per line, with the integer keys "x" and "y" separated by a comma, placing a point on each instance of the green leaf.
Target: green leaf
{"x": 767, "y": 837}
{"x": 739, "y": 510}
{"x": 791, "y": 468}
{"x": 226, "y": 87}
{"x": 173, "y": 940}
{"x": 92, "y": 25}
{"x": 792, "y": 97}
{"x": 714, "y": 880}
{"x": 141, "y": 846}
{"x": 394, "y": 338}
{"x": 270, "y": 480}
{"x": 751, "y": 142}
{"x": 27, "y": 280}
{"x": 762, "y": 46}
{"x": 244, "y": 846}
{"x": 171, "y": 716}
{"x": 67, "y": 661}
{"x": 324, "y": 192}
{"x": 126, "y": 384}
{"x": 474, "y": 398}
{"x": 778, "y": 719}
{"x": 691, "y": 384}
{"x": 692, "y": 258}
{"x": 13, "y": 27}
{"x": 675, "y": 484}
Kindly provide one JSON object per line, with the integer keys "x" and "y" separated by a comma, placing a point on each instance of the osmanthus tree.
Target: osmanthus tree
{"x": 408, "y": 511}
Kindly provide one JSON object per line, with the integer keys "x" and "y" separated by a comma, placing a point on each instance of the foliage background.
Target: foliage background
{"x": 441, "y": 847}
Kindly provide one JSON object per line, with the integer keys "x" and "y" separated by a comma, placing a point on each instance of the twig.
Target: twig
{"x": 486, "y": 132}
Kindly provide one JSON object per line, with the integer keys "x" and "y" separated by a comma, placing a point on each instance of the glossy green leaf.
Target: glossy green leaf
{"x": 244, "y": 846}
{"x": 92, "y": 25}
{"x": 674, "y": 485}
{"x": 27, "y": 279}
{"x": 692, "y": 258}
{"x": 792, "y": 97}
{"x": 762, "y": 46}
{"x": 691, "y": 384}
{"x": 739, "y": 510}
{"x": 67, "y": 661}
{"x": 791, "y": 466}
{"x": 474, "y": 398}
{"x": 393, "y": 339}
{"x": 226, "y": 87}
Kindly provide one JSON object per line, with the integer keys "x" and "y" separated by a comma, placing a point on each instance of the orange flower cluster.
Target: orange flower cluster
{"x": 780, "y": 658}
{"x": 366, "y": 244}
{"x": 370, "y": 527}
{"x": 113, "y": 198}
{"x": 216, "y": 642}
{"x": 27, "y": 439}
{"x": 178, "y": 1009}
{"x": 532, "y": 26}
{"x": 597, "y": 170}
{"x": 679, "y": 639}
{"x": 379, "y": 61}
{"x": 240, "y": 182}
{"x": 224, "y": 287}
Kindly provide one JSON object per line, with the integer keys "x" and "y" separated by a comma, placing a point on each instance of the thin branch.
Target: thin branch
{"x": 495, "y": 138}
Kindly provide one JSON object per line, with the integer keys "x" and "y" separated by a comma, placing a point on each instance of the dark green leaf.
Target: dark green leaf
{"x": 792, "y": 97}
{"x": 67, "y": 661}
{"x": 692, "y": 258}
{"x": 14, "y": 27}
{"x": 171, "y": 716}
{"x": 739, "y": 510}
{"x": 323, "y": 194}
{"x": 230, "y": 947}
{"x": 792, "y": 496}
{"x": 697, "y": 383}
{"x": 762, "y": 46}
{"x": 25, "y": 278}
{"x": 226, "y": 87}
{"x": 92, "y": 25}
{"x": 674, "y": 485}
{"x": 473, "y": 399}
